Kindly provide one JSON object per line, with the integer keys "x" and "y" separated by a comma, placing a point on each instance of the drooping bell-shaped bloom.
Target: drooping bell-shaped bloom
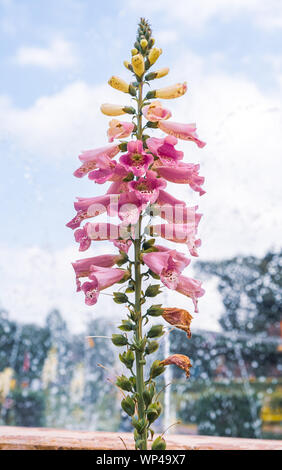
{"x": 119, "y": 129}
{"x": 178, "y": 317}
{"x": 123, "y": 244}
{"x": 88, "y": 207}
{"x": 182, "y": 131}
{"x": 165, "y": 150}
{"x": 155, "y": 112}
{"x": 99, "y": 231}
{"x": 81, "y": 237}
{"x": 179, "y": 360}
{"x": 129, "y": 208}
{"x": 183, "y": 173}
{"x": 178, "y": 233}
{"x": 148, "y": 188}
{"x": 136, "y": 160}
{"x": 164, "y": 198}
{"x": 191, "y": 288}
{"x": 82, "y": 267}
{"x": 167, "y": 264}
{"x": 178, "y": 214}
{"x": 109, "y": 170}
{"x": 101, "y": 278}
{"x": 89, "y": 158}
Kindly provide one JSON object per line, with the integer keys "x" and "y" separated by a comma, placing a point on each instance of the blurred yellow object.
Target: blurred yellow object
{"x": 6, "y": 381}
{"x": 90, "y": 341}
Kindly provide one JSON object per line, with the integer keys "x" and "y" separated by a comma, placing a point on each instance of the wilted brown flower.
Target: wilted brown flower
{"x": 179, "y": 360}
{"x": 179, "y": 318}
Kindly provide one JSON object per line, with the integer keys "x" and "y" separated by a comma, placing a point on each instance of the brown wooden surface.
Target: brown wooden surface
{"x": 16, "y": 438}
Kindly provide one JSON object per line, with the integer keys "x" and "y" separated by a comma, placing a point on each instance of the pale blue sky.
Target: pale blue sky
{"x": 55, "y": 60}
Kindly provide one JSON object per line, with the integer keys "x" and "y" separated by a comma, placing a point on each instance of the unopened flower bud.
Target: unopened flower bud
{"x": 113, "y": 109}
{"x": 128, "y": 406}
{"x": 127, "y": 65}
{"x": 123, "y": 383}
{"x": 119, "y": 84}
{"x": 156, "y": 331}
{"x": 143, "y": 44}
{"x": 134, "y": 51}
{"x": 138, "y": 64}
{"x": 159, "y": 444}
{"x": 174, "y": 91}
{"x": 157, "y": 368}
{"x": 151, "y": 42}
{"x": 119, "y": 340}
{"x": 154, "y": 54}
{"x": 158, "y": 74}
{"x": 162, "y": 72}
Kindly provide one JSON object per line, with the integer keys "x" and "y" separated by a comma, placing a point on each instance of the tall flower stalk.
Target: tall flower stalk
{"x": 137, "y": 196}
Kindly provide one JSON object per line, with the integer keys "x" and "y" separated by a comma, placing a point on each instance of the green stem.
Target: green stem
{"x": 140, "y": 386}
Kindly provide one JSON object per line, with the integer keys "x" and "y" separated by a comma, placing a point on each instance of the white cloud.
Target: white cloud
{"x": 59, "y": 125}
{"x": 59, "y": 54}
{"x": 196, "y": 13}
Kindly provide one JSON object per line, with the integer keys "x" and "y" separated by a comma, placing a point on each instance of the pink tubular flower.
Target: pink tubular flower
{"x": 101, "y": 278}
{"x": 183, "y": 173}
{"x": 191, "y": 288}
{"x": 178, "y": 214}
{"x": 182, "y": 131}
{"x": 119, "y": 130}
{"x": 178, "y": 233}
{"x": 129, "y": 208}
{"x": 89, "y": 158}
{"x": 148, "y": 188}
{"x": 88, "y": 207}
{"x": 123, "y": 245}
{"x": 136, "y": 159}
{"x": 167, "y": 264}
{"x": 82, "y": 266}
{"x": 81, "y": 237}
{"x": 165, "y": 150}
{"x": 155, "y": 112}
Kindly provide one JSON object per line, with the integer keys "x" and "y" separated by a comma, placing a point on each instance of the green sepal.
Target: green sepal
{"x": 129, "y": 110}
{"x": 152, "y": 125}
{"x": 155, "y": 310}
{"x": 152, "y": 274}
{"x": 156, "y": 369}
{"x": 132, "y": 90}
{"x": 123, "y": 383}
{"x": 120, "y": 298}
{"x": 119, "y": 340}
{"x": 127, "y": 358}
{"x": 126, "y": 325}
{"x": 150, "y": 95}
{"x": 128, "y": 405}
{"x": 156, "y": 331}
{"x": 123, "y": 146}
{"x": 153, "y": 290}
{"x": 140, "y": 424}
{"x": 153, "y": 412}
{"x": 148, "y": 244}
{"x": 159, "y": 444}
{"x": 151, "y": 347}
{"x": 123, "y": 260}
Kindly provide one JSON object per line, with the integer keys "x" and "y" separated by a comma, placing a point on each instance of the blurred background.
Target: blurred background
{"x": 56, "y": 58}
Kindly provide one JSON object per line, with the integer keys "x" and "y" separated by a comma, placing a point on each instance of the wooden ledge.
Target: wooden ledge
{"x": 16, "y": 438}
